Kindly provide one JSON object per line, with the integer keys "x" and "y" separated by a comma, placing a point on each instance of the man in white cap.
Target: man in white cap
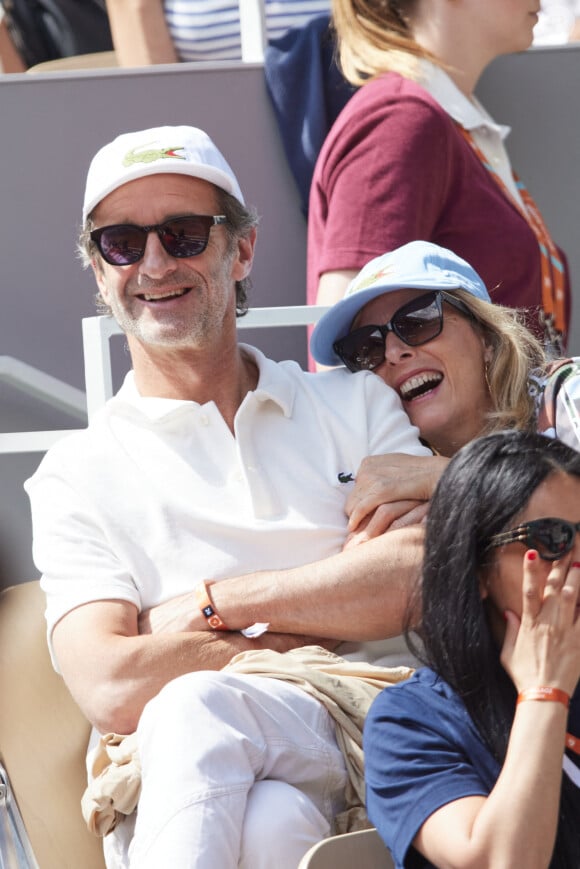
{"x": 212, "y": 466}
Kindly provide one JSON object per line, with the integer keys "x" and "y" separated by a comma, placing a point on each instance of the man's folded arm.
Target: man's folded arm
{"x": 360, "y": 594}
{"x": 112, "y": 671}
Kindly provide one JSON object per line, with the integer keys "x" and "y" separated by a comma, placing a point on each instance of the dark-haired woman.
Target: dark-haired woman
{"x": 474, "y": 762}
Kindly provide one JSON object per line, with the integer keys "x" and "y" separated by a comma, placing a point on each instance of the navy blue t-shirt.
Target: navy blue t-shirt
{"x": 423, "y": 751}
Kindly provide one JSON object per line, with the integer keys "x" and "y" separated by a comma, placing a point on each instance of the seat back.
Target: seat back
{"x": 363, "y": 849}
{"x": 43, "y": 737}
{"x": 96, "y": 60}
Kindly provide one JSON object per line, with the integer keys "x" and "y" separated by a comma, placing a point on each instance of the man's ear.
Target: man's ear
{"x": 99, "y": 273}
{"x": 245, "y": 255}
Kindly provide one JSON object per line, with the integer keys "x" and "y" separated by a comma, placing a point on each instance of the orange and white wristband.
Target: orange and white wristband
{"x": 545, "y": 692}
{"x": 201, "y": 592}
{"x": 214, "y": 620}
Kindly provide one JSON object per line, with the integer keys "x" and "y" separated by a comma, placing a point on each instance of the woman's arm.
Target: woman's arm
{"x": 140, "y": 33}
{"x": 516, "y": 824}
{"x": 10, "y": 60}
{"x": 332, "y": 286}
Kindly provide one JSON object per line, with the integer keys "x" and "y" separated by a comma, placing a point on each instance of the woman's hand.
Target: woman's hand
{"x": 391, "y": 482}
{"x": 399, "y": 514}
{"x": 543, "y": 648}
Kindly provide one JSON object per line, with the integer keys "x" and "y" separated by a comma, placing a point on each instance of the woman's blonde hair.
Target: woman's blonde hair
{"x": 374, "y": 37}
{"x": 516, "y": 353}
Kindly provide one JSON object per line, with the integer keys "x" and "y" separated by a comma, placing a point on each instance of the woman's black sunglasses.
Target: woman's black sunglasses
{"x": 123, "y": 244}
{"x": 415, "y": 323}
{"x": 551, "y": 538}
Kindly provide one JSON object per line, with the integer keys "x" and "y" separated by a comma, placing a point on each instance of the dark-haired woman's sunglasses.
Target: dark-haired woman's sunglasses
{"x": 123, "y": 244}
{"x": 551, "y": 538}
{"x": 415, "y": 323}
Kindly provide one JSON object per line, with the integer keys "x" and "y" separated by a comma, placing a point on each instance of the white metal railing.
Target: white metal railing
{"x": 96, "y": 351}
{"x": 97, "y": 332}
{"x": 31, "y": 441}
{"x": 43, "y": 386}
{"x": 47, "y": 389}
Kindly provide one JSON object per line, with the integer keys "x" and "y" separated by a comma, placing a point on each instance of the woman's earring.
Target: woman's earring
{"x": 486, "y": 375}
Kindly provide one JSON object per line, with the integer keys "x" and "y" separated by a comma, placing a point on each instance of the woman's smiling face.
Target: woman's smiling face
{"x": 442, "y": 383}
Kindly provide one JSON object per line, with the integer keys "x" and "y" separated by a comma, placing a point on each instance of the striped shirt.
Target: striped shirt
{"x": 210, "y": 29}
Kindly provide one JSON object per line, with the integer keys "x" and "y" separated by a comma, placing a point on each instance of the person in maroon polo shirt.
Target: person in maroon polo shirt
{"x": 414, "y": 155}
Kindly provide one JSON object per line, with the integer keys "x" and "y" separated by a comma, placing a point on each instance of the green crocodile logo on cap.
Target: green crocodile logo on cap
{"x": 149, "y": 156}
{"x": 370, "y": 279}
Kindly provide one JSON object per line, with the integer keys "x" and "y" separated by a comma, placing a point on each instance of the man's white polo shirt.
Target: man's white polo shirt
{"x": 158, "y": 494}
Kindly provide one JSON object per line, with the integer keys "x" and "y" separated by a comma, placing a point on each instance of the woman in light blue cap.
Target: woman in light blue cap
{"x": 421, "y": 318}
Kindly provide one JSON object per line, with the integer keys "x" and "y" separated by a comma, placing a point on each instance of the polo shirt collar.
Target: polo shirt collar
{"x": 469, "y": 113}
{"x": 274, "y": 384}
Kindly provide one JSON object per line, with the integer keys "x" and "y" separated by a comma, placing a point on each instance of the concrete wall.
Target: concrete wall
{"x": 51, "y": 124}
{"x": 538, "y": 95}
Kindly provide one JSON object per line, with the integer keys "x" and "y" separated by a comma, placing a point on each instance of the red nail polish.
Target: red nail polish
{"x": 576, "y": 564}
{"x": 531, "y": 555}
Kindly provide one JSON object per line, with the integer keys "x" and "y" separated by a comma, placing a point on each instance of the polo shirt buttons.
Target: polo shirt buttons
{"x": 203, "y": 419}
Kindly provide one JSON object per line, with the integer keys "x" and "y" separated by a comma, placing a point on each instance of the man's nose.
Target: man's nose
{"x": 156, "y": 262}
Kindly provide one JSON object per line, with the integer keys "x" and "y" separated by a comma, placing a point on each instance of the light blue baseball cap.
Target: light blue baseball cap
{"x": 419, "y": 265}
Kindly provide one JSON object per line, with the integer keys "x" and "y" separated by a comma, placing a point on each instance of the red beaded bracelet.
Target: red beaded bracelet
{"x": 203, "y": 599}
{"x": 545, "y": 692}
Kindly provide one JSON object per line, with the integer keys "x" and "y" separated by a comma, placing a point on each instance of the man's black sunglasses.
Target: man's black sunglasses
{"x": 551, "y": 538}
{"x": 123, "y": 244}
{"x": 415, "y": 323}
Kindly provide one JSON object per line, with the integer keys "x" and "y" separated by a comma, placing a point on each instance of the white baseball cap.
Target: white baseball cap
{"x": 419, "y": 265}
{"x": 159, "y": 150}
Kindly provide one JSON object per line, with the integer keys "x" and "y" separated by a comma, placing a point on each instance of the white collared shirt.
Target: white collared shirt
{"x": 158, "y": 494}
